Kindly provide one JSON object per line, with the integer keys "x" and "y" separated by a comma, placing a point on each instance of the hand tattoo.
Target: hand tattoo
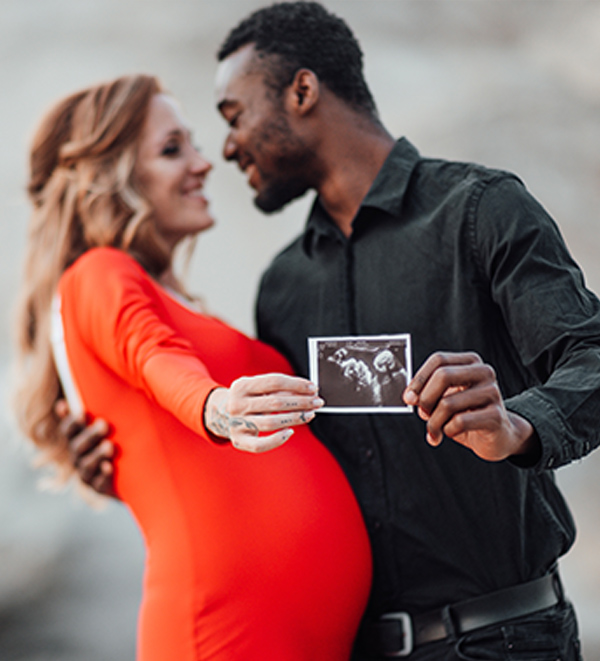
{"x": 223, "y": 424}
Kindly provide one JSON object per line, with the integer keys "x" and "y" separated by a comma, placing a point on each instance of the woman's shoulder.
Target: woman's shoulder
{"x": 103, "y": 268}
{"x": 106, "y": 257}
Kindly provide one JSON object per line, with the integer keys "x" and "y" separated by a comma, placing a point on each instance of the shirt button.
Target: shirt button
{"x": 369, "y": 453}
{"x": 377, "y": 525}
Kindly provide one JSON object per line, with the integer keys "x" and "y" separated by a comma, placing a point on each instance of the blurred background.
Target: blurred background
{"x": 513, "y": 84}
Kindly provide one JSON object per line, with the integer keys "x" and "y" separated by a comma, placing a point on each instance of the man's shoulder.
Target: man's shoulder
{"x": 438, "y": 183}
{"x": 461, "y": 172}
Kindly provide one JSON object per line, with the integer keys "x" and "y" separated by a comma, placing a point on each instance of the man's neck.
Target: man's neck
{"x": 355, "y": 159}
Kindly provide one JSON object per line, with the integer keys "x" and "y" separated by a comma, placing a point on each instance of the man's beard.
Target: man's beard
{"x": 292, "y": 166}
{"x": 279, "y": 193}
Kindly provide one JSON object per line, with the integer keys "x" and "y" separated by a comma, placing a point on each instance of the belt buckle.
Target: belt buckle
{"x": 407, "y": 634}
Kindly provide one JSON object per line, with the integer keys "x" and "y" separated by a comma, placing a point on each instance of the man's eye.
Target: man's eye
{"x": 233, "y": 122}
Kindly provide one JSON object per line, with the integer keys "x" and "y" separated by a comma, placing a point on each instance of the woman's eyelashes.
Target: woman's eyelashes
{"x": 174, "y": 148}
{"x": 171, "y": 149}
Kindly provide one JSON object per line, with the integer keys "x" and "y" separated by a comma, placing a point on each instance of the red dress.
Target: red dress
{"x": 249, "y": 556}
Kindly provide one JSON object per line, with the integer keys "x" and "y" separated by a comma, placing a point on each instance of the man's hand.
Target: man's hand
{"x": 257, "y": 413}
{"x": 457, "y": 394}
{"x": 91, "y": 453}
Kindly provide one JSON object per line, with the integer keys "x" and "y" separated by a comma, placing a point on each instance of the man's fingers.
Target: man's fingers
{"x": 451, "y": 405}
{"x": 451, "y": 379}
{"x": 481, "y": 420}
{"x": 102, "y": 482}
{"x": 484, "y": 420}
{"x": 88, "y": 448}
{"x": 70, "y": 426}
{"x": 87, "y": 440}
{"x": 459, "y": 397}
{"x": 91, "y": 464}
{"x": 436, "y": 362}
{"x": 61, "y": 408}
{"x": 480, "y": 431}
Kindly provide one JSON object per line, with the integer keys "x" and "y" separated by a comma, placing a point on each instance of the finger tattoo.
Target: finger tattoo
{"x": 235, "y": 423}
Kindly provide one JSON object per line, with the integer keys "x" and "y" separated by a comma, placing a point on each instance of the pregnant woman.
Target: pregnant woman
{"x": 256, "y": 549}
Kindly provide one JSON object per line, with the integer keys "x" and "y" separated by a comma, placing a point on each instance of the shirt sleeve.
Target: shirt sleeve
{"x": 553, "y": 319}
{"x": 123, "y": 321}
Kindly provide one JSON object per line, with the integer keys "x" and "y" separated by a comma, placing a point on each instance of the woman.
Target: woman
{"x": 251, "y": 554}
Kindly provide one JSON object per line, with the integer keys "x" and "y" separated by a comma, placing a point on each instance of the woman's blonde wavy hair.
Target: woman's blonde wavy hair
{"x": 84, "y": 194}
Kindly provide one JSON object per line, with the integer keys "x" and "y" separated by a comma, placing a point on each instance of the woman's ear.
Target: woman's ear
{"x": 303, "y": 93}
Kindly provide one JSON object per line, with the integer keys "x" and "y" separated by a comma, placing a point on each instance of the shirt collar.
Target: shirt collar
{"x": 386, "y": 193}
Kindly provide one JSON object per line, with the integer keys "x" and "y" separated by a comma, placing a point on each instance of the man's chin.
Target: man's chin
{"x": 272, "y": 201}
{"x": 268, "y": 206}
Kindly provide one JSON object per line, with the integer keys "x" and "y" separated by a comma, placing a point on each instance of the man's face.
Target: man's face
{"x": 274, "y": 158}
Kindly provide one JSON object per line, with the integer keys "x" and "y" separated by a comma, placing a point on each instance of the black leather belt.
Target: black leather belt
{"x": 395, "y": 635}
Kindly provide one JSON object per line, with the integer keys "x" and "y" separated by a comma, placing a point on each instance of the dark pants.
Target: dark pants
{"x": 548, "y": 635}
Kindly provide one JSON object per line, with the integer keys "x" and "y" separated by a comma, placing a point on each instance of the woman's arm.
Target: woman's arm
{"x": 112, "y": 304}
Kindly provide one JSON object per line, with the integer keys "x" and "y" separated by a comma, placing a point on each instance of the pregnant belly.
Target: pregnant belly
{"x": 271, "y": 542}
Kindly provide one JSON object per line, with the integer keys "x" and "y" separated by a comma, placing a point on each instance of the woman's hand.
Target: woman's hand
{"x": 257, "y": 413}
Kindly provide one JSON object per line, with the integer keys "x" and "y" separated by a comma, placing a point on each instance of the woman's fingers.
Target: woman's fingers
{"x": 271, "y": 393}
{"x": 265, "y": 384}
{"x": 258, "y": 444}
{"x": 258, "y": 413}
{"x": 261, "y": 424}
{"x": 251, "y": 434}
{"x": 272, "y": 403}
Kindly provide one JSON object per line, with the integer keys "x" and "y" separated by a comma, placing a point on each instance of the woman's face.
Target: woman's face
{"x": 172, "y": 173}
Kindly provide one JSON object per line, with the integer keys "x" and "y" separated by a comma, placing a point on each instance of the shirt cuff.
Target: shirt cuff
{"x": 549, "y": 428}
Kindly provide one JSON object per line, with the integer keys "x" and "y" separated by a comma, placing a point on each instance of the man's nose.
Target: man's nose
{"x": 229, "y": 148}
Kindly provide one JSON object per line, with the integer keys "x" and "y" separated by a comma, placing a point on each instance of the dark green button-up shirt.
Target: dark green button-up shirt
{"x": 463, "y": 259}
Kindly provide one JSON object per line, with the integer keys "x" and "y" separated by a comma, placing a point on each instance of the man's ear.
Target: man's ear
{"x": 303, "y": 93}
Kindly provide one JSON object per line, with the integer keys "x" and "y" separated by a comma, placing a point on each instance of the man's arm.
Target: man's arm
{"x": 552, "y": 319}
{"x": 457, "y": 395}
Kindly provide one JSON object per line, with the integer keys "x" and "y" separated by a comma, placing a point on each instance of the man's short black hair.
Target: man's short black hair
{"x": 305, "y": 35}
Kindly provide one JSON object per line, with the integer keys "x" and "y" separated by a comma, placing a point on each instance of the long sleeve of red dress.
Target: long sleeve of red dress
{"x": 123, "y": 320}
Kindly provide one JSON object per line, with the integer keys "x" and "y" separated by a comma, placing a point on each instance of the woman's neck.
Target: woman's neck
{"x": 167, "y": 279}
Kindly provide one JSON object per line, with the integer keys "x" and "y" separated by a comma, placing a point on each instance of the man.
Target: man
{"x": 465, "y": 520}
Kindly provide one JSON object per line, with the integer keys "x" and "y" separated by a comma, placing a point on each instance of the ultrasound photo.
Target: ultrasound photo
{"x": 361, "y": 374}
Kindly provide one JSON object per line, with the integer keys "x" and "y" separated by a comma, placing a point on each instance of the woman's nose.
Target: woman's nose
{"x": 201, "y": 164}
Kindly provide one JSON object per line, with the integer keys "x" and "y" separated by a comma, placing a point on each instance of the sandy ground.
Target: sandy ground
{"x": 512, "y": 84}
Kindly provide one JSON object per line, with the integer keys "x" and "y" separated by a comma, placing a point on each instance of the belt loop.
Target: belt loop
{"x": 449, "y": 623}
